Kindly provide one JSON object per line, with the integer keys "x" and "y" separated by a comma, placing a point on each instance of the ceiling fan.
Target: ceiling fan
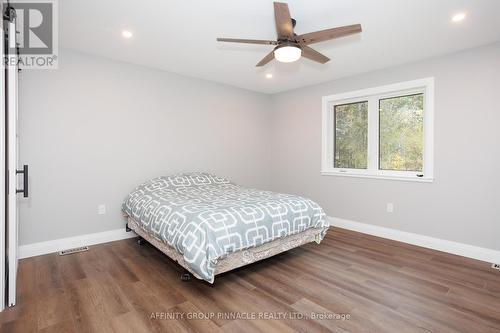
{"x": 290, "y": 46}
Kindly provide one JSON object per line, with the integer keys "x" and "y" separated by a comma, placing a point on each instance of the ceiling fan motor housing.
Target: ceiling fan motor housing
{"x": 287, "y": 43}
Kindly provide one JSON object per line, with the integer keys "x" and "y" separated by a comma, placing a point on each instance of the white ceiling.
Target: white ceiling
{"x": 179, "y": 36}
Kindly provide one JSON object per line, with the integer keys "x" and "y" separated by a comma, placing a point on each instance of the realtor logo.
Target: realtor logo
{"x": 36, "y": 37}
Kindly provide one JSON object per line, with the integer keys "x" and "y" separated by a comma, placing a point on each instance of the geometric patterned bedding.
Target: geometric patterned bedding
{"x": 205, "y": 217}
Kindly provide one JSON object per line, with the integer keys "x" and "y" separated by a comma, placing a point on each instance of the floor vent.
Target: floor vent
{"x": 75, "y": 250}
{"x": 495, "y": 266}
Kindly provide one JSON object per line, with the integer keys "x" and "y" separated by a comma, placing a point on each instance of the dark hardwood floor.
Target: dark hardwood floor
{"x": 381, "y": 285}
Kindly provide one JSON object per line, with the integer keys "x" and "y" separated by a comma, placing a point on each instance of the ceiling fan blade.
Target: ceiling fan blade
{"x": 314, "y": 55}
{"x": 284, "y": 26}
{"x": 320, "y": 36}
{"x": 248, "y": 41}
{"x": 266, "y": 59}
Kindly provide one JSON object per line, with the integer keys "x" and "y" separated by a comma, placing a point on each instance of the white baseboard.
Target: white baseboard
{"x": 465, "y": 250}
{"x": 56, "y": 245}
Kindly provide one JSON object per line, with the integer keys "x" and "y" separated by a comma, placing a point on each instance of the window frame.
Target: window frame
{"x": 373, "y": 96}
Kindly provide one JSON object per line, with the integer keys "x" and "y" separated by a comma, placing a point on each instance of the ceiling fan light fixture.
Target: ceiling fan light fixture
{"x": 287, "y": 53}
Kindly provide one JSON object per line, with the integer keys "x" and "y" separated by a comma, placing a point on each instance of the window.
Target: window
{"x": 384, "y": 132}
{"x": 351, "y": 135}
{"x": 401, "y": 133}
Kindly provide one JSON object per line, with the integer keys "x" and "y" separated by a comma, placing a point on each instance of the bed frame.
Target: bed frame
{"x": 235, "y": 259}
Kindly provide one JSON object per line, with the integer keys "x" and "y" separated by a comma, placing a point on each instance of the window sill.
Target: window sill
{"x": 373, "y": 176}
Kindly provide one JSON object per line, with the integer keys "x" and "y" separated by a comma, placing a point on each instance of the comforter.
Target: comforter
{"x": 205, "y": 217}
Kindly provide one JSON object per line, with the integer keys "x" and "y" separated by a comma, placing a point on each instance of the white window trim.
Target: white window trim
{"x": 372, "y": 95}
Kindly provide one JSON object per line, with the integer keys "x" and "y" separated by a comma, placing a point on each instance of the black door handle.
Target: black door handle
{"x": 24, "y": 171}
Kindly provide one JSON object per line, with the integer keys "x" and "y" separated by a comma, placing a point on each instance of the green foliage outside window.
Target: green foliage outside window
{"x": 401, "y": 133}
{"x": 351, "y": 136}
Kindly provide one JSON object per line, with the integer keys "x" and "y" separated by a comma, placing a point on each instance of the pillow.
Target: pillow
{"x": 195, "y": 179}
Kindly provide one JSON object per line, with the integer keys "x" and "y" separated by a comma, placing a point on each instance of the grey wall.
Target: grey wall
{"x": 463, "y": 204}
{"x": 94, "y": 129}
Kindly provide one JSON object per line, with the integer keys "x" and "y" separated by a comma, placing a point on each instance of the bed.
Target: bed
{"x": 210, "y": 225}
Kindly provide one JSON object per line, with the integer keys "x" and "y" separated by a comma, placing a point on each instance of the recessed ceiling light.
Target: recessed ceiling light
{"x": 127, "y": 34}
{"x": 269, "y": 76}
{"x": 459, "y": 17}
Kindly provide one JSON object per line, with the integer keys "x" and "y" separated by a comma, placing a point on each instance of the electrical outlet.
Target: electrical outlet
{"x": 390, "y": 207}
{"x": 101, "y": 209}
{"x": 495, "y": 266}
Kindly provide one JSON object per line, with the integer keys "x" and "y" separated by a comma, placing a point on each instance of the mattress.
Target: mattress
{"x": 235, "y": 259}
{"x": 206, "y": 218}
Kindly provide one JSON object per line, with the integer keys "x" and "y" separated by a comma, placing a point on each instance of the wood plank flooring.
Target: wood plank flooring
{"x": 381, "y": 285}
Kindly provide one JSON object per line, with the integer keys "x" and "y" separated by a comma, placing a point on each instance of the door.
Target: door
{"x": 12, "y": 161}
{"x": 3, "y": 193}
